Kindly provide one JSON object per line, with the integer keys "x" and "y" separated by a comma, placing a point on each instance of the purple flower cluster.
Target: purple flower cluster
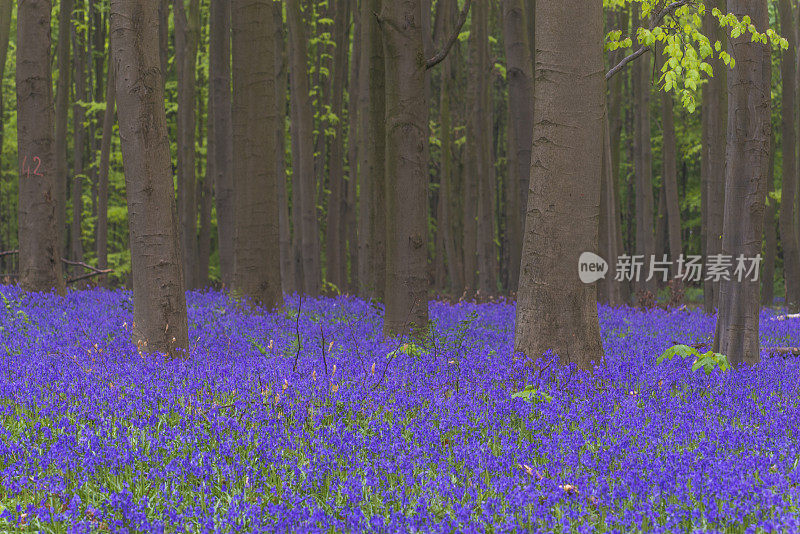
{"x": 313, "y": 422}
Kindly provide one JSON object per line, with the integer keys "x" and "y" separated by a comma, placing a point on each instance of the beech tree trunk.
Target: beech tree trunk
{"x": 334, "y": 242}
{"x": 62, "y": 110}
{"x": 406, "y": 169}
{"x": 745, "y": 185}
{"x": 372, "y": 195}
{"x": 353, "y": 153}
{"x": 670, "y": 178}
{"x": 39, "y": 242}
{"x": 187, "y": 29}
{"x": 608, "y": 289}
{"x": 102, "y": 187}
{"x": 555, "y": 310}
{"x": 519, "y": 71}
{"x": 78, "y": 117}
{"x": 257, "y": 271}
{"x": 5, "y": 32}
{"x": 281, "y": 80}
{"x": 643, "y": 164}
{"x": 483, "y": 127}
{"x": 712, "y": 170}
{"x": 303, "y": 160}
{"x": 788, "y": 229}
{"x": 159, "y": 300}
{"x": 220, "y": 156}
{"x": 770, "y": 237}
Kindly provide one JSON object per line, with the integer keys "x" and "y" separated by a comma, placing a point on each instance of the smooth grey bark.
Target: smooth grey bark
{"x": 406, "y": 169}
{"x": 787, "y": 226}
{"x": 6, "y": 8}
{"x": 256, "y": 267}
{"x": 39, "y": 242}
{"x": 353, "y": 152}
{"x": 221, "y": 142}
{"x": 519, "y": 69}
{"x": 555, "y": 310}
{"x": 714, "y": 126}
{"x": 303, "y": 160}
{"x": 770, "y": 234}
{"x": 62, "y": 110}
{"x": 102, "y": 186}
{"x": 159, "y": 299}
{"x": 643, "y": 166}
{"x": 187, "y": 29}
{"x": 281, "y": 81}
{"x": 78, "y": 116}
{"x": 747, "y": 158}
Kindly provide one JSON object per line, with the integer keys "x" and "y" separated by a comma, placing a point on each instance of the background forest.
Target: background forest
{"x": 477, "y": 166}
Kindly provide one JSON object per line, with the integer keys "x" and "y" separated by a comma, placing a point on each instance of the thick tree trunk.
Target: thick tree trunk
{"x": 281, "y": 81}
{"x": 5, "y": 32}
{"x": 62, "y": 109}
{"x": 257, "y": 271}
{"x": 102, "y": 186}
{"x": 187, "y": 26}
{"x": 555, "y": 310}
{"x": 163, "y": 36}
{"x": 712, "y": 170}
{"x": 219, "y": 118}
{"x": 353, "y": 152}
{"x": 406, "y": 169}
{"x": 39, "y": 243}
{"x": 788, "y": 229}
{"x": 519, "y": 69}
{"x": 770, "y": 237}
{"x": 78, "y": 115}
{"x": 643, "y": 164}
{"x": 334, "y": 243}
{"x": 745, "y": 185}
{"x": 159, "y": 300}
{"x": 303, "y": 161}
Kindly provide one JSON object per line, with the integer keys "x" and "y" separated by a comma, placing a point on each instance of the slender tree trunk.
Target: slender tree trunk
{"x": 159, "y": 301}
{"x": 714, "y": 126}
{"x": 257, "y": 272}
{"x": 334, "y": 244}
{"x": 79, "y": 115}
{"x": 372, "y": 194}
{"x": 670, "y": 178}
{"x": 473, "y": 169}
{"x": 608, "y": 289}
{"x": 6, "y": 8}
{"x": 102, "y": 187}
{"x": 303, "y": 161}
{"x": 62, "y": 110}
{"x": 555, "y": 310}
{"x": 789, "y": 242}
{"x": 645, "y": 240}
{"x": 519, "y": 69}
{"x": 187, "y": 27}
{"x": 297, "y": 177}
{"x": 746, "y": 185}
{"x": 770, "y": 237}
{"x": 281, "y": 80}
{"x": 406, "y": 169}
{"x": 205, "y": 188}
{"x": 353, "y": 154}
{"x": 219, "y": 119}
{"x": 39, "y": 243}
{"x": 482, "y": 130}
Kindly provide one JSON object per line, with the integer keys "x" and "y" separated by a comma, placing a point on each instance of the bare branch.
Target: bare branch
{"x": 8, "y": 252}
{"x": 668, "y": 10}
{"x": 435, "y": 60}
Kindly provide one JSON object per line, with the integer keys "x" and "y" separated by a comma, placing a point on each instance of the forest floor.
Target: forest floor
{"x": 313, "y": 422}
